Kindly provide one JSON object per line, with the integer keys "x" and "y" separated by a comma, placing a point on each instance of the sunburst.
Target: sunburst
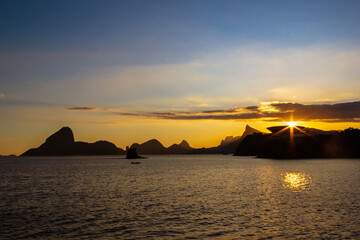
{"x": 292, "y": 124}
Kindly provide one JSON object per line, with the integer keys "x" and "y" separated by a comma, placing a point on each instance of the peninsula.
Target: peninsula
{"x": 285, "y": 142}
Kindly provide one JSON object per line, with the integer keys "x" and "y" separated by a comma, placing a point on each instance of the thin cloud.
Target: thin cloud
{"x": 83, "y": 108}
{"x": 339, "y": 112}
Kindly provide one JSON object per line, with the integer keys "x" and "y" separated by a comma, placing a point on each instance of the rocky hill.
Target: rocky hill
{"x": 303, "y": 143}
{"x": 62, "y": 143}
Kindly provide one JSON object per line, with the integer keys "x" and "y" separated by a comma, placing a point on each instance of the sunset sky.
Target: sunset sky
{"x": 129, "y": 71}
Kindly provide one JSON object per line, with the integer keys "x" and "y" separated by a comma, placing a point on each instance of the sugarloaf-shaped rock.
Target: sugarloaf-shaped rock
{"x": 63, "y": 136}
{"x": 62, "y": 143}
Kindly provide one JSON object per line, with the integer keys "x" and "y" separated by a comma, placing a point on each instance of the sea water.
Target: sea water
{"x": 179, "y": 196}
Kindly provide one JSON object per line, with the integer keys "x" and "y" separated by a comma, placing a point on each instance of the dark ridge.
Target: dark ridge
{"x": 182, "y": 148}
{"x": 184, "y": 144}
{"x": 230, "y": 143}
{"x": 304, "y": 143}
{"x": 227, "y": 146}
{"x": 62, "y": 143}
{"x": 152, "y": 146}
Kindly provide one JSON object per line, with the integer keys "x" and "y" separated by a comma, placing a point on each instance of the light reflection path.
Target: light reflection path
{"x": 296, "y": 182}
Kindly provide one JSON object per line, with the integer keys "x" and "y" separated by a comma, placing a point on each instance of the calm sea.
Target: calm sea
{"x": 179, "y": 196}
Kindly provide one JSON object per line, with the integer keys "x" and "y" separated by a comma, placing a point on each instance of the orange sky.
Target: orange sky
{"x": 199, "y": 133}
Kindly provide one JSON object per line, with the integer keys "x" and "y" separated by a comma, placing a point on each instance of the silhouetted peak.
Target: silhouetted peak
{"x": 250, "y": 129}
{"x": 135, "y": 145}
{"x": 64, "y": 135}
{"x": 153, "y": 142}
{"x": 184, "y": 144}
{"x": 62, "y": 143}
{"x": 152, "y": 146}
{"x": 229, "y": 139}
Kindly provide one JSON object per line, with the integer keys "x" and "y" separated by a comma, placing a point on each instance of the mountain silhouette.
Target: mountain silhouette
{"x": 230, "y": 143}
{"x": 62, "y": 143}
{"x": 227, "y": 146}
{"x": 184, "y": 144}
{"x": 302, "y": 143}
{"x": 152, "y": 146}
{"x": 182, "y": 148}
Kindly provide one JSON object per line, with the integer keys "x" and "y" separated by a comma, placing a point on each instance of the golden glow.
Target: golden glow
{"x": 292, "y": 124}
{"x": 125, "y": 130}
{"x": 267, "y": 107}
{"x": 296, "y": 182}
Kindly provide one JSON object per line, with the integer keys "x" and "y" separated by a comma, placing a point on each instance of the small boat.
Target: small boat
{"x": 135, "y": 162}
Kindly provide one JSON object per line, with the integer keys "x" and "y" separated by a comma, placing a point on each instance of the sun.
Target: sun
{"x": 292, "y": 124}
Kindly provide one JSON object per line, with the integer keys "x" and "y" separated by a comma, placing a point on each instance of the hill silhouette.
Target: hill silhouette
{"x": 227, "y": 146}
{"x": 230, "y": 143}
{"x": 181, "y": 148}
{"x": 152, "y": 146}
{"x": 304, "y": 143}
{"x": 62, "y": 143}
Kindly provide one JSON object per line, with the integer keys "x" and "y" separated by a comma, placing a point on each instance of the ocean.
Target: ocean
{"x": 179, "y": 197}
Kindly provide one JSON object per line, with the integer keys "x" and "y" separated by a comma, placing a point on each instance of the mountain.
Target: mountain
{"x": 228, "y": 140}
{"x": 230, "y": 143}
{"x": 227, "y": 146}
{"x": 152, "y": 146}
{"x": 303, "y": 143}
{"x": 184, "y": 144}
{"x": 181, "y": 148}
{"x": 62, "y": 143}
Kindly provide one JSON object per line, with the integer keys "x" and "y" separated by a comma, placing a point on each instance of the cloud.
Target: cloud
{"x": 83, "y": 108}
{"x": 223, "y": 77}
{"x": 270, "y": 111}
{"x": 203, "y": 105}
{"x": 326, "y": 112}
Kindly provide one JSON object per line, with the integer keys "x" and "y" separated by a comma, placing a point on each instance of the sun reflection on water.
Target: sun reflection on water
{"x": 296, "y": 182}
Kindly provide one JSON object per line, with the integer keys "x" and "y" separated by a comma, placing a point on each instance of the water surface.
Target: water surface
{"x": 179, "y": 196}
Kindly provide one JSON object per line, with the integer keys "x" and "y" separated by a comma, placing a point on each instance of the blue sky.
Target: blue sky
{"x": 146, "y": 56}
{"x": 50, "y": 41}
{"x": 151, "y": 32}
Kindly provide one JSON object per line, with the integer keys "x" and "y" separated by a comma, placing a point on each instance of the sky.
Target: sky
{"x": 130, "y": 71}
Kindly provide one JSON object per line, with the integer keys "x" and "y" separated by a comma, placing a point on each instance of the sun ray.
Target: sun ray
{"x": 292, "y": 124}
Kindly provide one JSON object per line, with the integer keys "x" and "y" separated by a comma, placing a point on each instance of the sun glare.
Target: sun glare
{"x": 297, "y": 182}
{"x": 292, "y": 124}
